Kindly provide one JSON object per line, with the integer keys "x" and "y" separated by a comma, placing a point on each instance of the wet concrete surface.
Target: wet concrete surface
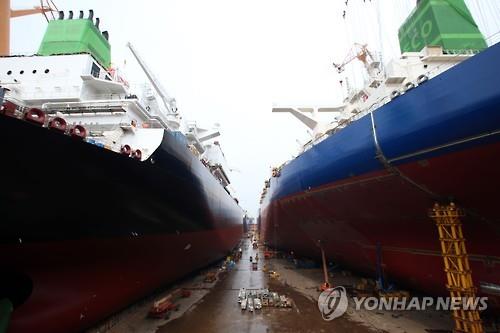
{"x": 219, "y": 311}
{"x": 213, "y": 307}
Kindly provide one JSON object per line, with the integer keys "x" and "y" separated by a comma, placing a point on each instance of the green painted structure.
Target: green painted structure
{"x": 73, "y": 37}
{"x": 447, "y": 23}
{"x": 6, "y": 309}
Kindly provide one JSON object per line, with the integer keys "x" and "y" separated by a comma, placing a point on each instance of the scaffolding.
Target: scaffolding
{"x": 456, "y": 267}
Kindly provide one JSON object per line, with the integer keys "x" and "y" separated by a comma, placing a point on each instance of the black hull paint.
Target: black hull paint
{"x": 84, "y": 231}
{"x": 56, "y": 187}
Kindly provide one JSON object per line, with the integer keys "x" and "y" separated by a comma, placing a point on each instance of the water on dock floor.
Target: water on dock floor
{"x": 219, "y": 311}
{"x": 214, "y": 307}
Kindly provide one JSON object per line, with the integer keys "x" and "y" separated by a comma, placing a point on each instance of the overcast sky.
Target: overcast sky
{"x": 229, "y": 61}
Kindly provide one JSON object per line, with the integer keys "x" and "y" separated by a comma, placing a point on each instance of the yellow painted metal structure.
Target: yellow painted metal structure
{"x": 456, "y": 266}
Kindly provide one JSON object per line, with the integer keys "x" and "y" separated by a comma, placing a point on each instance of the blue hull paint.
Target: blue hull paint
{"x": 458, "y": 104}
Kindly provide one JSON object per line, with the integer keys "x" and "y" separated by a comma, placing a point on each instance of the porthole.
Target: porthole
{"x": 9, "y": 72}
{"x": 34, "y": 71}
{"x": 47, "y": 71}
{"x": 21, "y": 72}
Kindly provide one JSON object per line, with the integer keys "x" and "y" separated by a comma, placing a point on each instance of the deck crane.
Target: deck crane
{"x": 357, "y": 51}
{"x": 197, "y": 136}
{"x": 168, "y": 101}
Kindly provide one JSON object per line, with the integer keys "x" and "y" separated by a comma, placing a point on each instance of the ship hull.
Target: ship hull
{"x": 392, "y": 215}
{"x": 86, "y": 231}
{"x": 78, "y": 283}
{"x": 368, "y": 188}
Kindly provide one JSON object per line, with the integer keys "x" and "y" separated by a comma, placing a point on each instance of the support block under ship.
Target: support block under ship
{"x": 104, "y": 198}
{"x": 424, "y": 130}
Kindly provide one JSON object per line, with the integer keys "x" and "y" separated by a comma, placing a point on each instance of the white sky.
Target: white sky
{"x": 229, "y": 61}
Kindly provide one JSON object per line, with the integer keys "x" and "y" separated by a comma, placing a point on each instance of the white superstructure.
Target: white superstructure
{"x": 383, "y": 85}
{"x": 78, "y": 90}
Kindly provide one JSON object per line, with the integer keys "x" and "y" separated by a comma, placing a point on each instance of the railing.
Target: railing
{"x": 461, "y": 51}
{"x": 379, "y": 102}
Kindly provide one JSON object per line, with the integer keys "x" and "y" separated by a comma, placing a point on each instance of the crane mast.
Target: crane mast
{"x": 6, "y": 13}
{"x": 168, "y": 101}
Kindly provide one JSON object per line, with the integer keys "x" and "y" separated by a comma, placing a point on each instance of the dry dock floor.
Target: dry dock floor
{"x": 219, "y": 311}
{"x": 213, "y": 307}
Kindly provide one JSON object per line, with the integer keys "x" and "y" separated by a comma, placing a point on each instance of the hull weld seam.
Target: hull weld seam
{"x": 446, "y": 145}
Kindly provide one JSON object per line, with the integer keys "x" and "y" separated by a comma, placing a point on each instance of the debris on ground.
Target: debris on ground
{"x": 260, "y": 298}
{"x": 210, "y": 277}
{"x": 394, "y": 295}
{"x": 162, "y": 308}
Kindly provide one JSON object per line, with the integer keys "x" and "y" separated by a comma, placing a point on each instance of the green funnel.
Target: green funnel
{"x": 446, "y": 23}
{"x": 76, "y": 36}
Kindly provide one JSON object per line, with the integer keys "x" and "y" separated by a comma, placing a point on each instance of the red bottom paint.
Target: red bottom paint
{"x": 78, "y": 283}
{"x": 351, "y": 217}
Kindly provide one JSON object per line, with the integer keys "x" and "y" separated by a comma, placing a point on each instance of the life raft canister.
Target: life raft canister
{"x": 409, "y": 86}
{"x": 58, "y": 124}
{"x": 78, "y": 132}
{"x": 35, "y": 116}
{"x": 8, "y": 108}
{"x": 395, "y": 94}
{"x": 422, "y": 78}
{"x": 126, "y": 150}
{"x": 137, "y": 154}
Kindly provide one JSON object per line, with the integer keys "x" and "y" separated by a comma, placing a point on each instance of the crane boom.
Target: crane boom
{"x": 169, "y": 102}
{"x": 358, "y": 51}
